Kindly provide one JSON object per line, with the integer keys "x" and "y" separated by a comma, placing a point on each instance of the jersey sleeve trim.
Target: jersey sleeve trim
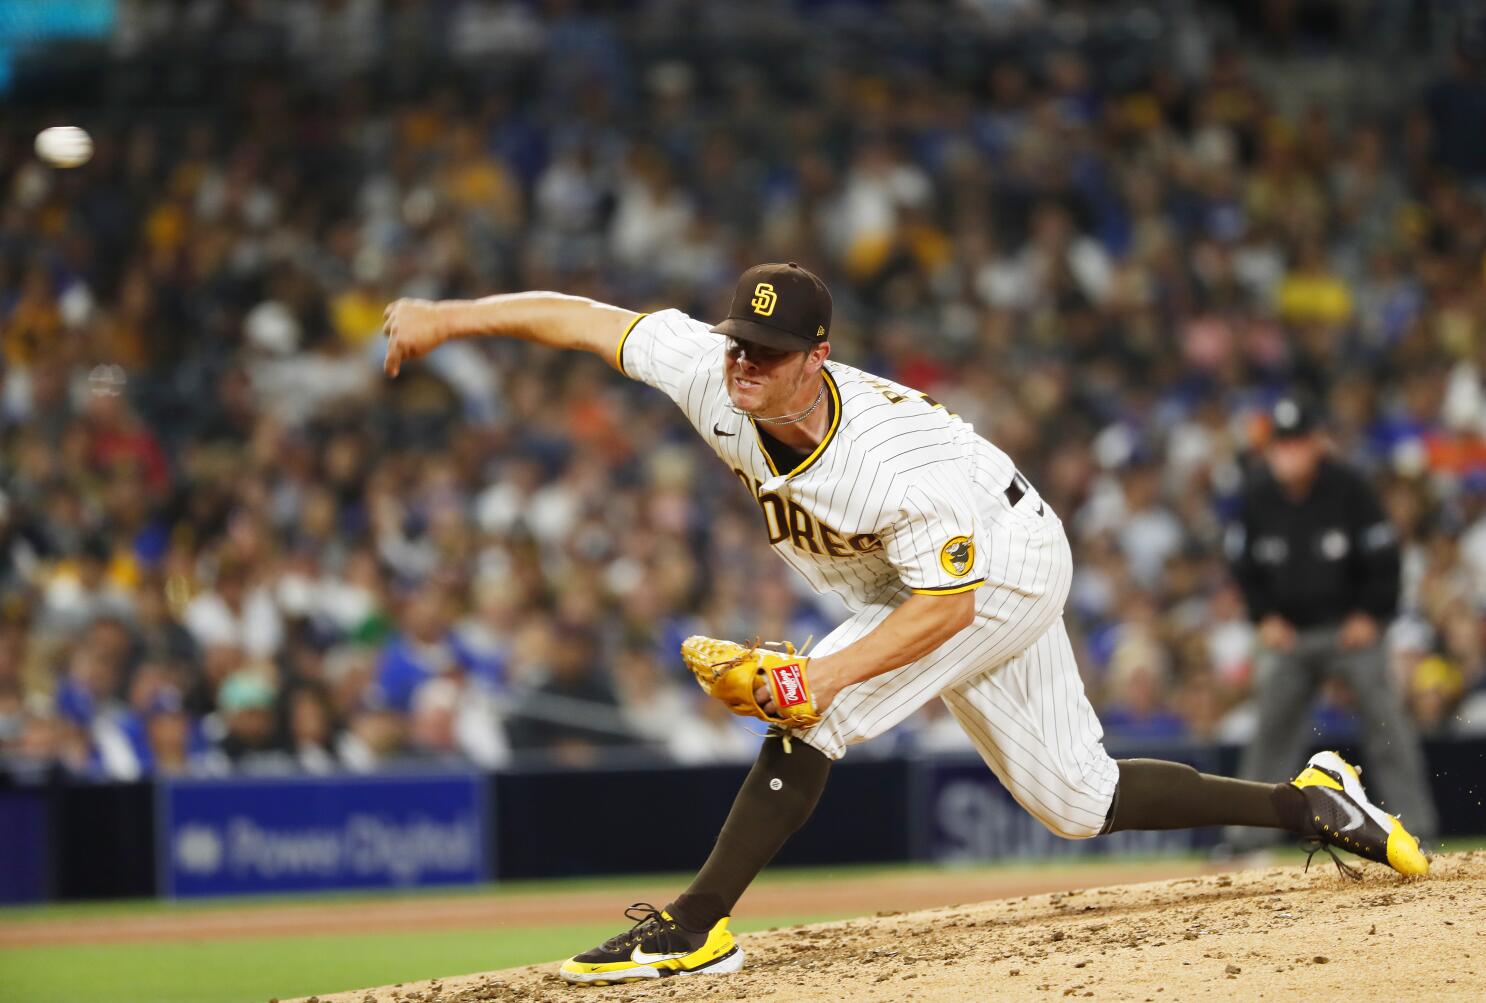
{"x": 950, "y": 590}
{"x": 619, "y": 349}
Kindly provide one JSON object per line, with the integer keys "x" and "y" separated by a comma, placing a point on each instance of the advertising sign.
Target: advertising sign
{"x": 23, "y": 845}
{"x": 970, "y": 816}
{"x": 295, "y": 834}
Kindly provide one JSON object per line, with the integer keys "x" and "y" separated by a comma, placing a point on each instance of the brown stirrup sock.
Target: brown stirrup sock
{"x": 775, "y": 800}
{"x": 1155, "y": 794}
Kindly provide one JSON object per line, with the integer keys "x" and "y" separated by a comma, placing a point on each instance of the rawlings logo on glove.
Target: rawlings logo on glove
{"x": 731, "y": 672}
{"x": 788, "y": 685}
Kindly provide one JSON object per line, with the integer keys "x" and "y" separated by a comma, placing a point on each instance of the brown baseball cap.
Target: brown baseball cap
{"x": 782, "y": 306}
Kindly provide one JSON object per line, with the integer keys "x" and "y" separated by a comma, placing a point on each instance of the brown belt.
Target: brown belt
{"x": 1017, "y": 490}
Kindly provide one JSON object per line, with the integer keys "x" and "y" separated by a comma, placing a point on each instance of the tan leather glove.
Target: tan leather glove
{"x": 730, "y": 672}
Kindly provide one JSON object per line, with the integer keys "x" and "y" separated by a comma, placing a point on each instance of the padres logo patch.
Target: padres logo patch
{"x": 764, "y": 298}
{"x": 958, "y": 556}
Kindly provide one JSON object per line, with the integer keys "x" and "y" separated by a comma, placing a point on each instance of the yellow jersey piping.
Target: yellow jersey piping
{"x": 825, "y": 440}
{"x": 619, "y": 349}
{"x": 950, "y": 590}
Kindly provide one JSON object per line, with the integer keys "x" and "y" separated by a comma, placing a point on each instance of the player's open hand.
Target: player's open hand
{"x": 413, "y": 328}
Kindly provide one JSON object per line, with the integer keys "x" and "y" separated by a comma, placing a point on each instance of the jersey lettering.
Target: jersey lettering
{"x": 893, "y": 397}
{"x": 835, "y": 546}
{"x": 896, "y": 397}
{"x": 802, "y": 528}
{"x": 772, "y": 506}
{"x": 774, "y": 515}
{"x": 786, "y": 519}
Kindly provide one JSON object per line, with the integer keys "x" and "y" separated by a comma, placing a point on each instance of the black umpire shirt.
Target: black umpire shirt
{"x": 1318, "y": 559}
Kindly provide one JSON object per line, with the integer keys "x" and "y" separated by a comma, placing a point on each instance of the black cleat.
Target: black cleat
{"x": 655, "y": 947}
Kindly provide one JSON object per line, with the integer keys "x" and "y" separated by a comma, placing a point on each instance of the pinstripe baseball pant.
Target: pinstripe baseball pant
{"x": 1011, "y": 681}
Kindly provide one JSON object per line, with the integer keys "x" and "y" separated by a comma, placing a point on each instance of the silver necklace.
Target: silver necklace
{"x": 788, "y": 419}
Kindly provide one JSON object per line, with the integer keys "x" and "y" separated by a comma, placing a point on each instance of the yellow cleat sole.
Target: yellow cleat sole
{"x": 1404, "y": 855}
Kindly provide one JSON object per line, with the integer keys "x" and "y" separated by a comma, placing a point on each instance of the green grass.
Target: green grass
{"x": 256, "y": 969}
{"x": 259, "y": 968}
{"x": 664, "y": 881}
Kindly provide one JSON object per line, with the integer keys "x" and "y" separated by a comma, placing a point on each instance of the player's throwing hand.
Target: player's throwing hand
{"x": 414, "y": 328}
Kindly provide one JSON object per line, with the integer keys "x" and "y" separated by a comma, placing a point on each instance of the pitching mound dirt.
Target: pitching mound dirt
{"x": 1277, "y": 934}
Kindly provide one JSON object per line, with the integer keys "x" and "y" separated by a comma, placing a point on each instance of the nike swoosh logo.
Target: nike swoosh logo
{"x": 719, "y": 432}
{"x": 640, "y": 957}
{"x": 1354, "y": 817}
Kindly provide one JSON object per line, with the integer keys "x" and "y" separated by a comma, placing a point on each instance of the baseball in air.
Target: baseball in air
{"x": 64, "y": 146}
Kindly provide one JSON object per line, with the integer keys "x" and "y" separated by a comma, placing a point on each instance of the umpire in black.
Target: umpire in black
{"x": 1318, "y": 563}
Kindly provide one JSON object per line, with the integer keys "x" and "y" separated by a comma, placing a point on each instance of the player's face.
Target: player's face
{"x": 763, "y": 380}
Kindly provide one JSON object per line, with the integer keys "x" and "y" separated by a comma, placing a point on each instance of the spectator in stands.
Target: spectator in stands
{"x": 376, "y": 734}
{"x": 235, "y": 613}
{"x": 667, "y": 713}
{"x": 572, "y": 711}
{"x": 426, "y": 648}
{"x": 1136, "y": 693}
{"x": 173, "y": 745}
{"x": 88, "y": 586}
{"x": 1113, "y": 255}
{"x": 12, "y": 711}
{"x": 50, "y": 741}
{"x": 250, "y": 735}
{"x": 311, "y": 728}
{"x": 456, "y": 717}
{"x": 158, "y": 633}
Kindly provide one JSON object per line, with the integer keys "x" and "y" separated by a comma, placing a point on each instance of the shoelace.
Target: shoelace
{"x": 643, "y": 914}
{"x": 1317, "y": 844}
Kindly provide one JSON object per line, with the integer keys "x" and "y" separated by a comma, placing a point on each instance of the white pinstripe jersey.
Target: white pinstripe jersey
{"x": 899, "y": 496}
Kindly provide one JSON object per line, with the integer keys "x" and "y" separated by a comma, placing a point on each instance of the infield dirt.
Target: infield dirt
{"x": 1276, "y": 934}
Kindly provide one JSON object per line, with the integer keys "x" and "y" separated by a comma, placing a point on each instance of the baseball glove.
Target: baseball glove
{"x": 731, "y": 672}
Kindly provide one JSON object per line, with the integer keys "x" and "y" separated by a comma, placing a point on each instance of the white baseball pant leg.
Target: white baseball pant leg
{"x": 1010, "y": 679}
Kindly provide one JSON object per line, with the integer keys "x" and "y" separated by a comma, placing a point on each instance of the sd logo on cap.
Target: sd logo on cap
{"x": 782, "y": 306}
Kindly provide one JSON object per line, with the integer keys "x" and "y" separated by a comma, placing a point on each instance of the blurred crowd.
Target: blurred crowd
{"x": 226, "y": 543}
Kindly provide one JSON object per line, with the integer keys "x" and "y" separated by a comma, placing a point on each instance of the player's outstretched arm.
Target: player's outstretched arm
{"x": 416, "y": 327}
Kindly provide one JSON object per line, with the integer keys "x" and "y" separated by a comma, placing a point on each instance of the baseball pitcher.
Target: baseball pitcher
{"x": 955, "y": 571}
